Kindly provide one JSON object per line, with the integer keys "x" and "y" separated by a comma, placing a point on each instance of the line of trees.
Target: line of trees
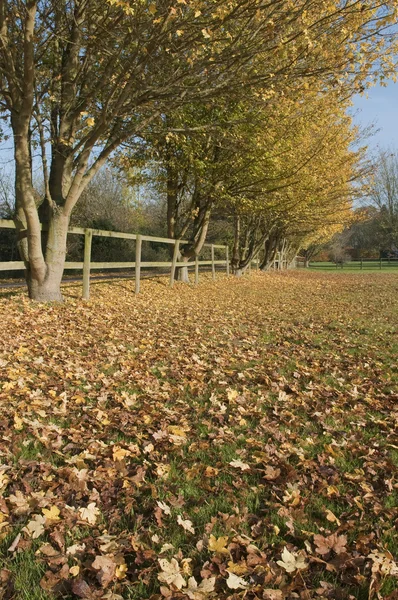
{"x": 231, "y": 108}
{"x": 373, "y": 230}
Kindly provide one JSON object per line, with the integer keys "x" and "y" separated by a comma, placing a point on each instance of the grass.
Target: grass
{"x": 259, "y": 410}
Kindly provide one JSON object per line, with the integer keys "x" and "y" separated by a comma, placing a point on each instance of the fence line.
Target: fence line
{"x": 358, "y": 264}
{"x": 87, "y": 265}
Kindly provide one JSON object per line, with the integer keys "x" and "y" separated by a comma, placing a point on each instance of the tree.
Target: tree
{"x": 383, "y": 196}
{"x": 80, "y": 77}
{"x": 8, "y": 249}
{"x": 298, "y": 185}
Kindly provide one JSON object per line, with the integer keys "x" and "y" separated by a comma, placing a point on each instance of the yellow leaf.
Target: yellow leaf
{"x": 237, "y": 568}
{"x": 18, "y": 423}
{"x": 51, "y": 514}
{"x": 211, "y": 472}
{"x": 121, "y": 571}
{"x": 120, "y": 453}
{"x": 218, "y": 544}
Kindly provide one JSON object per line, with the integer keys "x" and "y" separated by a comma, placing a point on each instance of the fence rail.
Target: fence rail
{"x": 87, "y": 265}
{"x": 365, "y": 263}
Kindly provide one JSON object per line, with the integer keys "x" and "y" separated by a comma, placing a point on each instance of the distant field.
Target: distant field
{"x": 368, "y": 265}
{"x": 234, "y": 440}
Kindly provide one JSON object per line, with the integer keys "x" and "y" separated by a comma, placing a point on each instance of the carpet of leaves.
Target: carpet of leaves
{"x": 231, "y": 440}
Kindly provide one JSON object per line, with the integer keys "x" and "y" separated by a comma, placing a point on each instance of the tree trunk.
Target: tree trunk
{"x": 47, "y": 288}
{"x": 193, "y": 248}
{"x": 182, "y": 273}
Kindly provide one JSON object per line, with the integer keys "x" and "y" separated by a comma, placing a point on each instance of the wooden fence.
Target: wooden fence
{"x": 87, "y": 266}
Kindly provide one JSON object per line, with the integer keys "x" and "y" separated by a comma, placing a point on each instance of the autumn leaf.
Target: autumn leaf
{"x": 185, "y": 524}
{"x": 89, "y": 513}
{"x": 20, "y": 502}
{"x": 171, "y": 573}
{"x": 201, "y": 591}
{"x": 164, "y": 507}
{"x": 238, "y": 464}
{"x": 218, "y": 544}
{"x": 270, "y": 474}
{"x": 211, "y": 472}
{"x": 292, "y": 561}
{"x": 51, "y": 514}
{"x": 35, "y": 527}
{"x": 334, "y": 542}
{"x": 234, "y": 582}
{"x": 119, "y": 453}
{"x": 106, "y": 568}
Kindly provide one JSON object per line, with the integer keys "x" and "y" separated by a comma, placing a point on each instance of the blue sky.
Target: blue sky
{"x": 381, "y": 108}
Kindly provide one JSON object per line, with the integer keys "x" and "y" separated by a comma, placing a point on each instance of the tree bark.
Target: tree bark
{"x": 182, "y": 273}
{"x": 47, "y": 287}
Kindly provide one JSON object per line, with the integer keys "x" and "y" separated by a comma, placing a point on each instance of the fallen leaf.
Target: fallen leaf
{"x": 292, "y": 561}
{"x": 171, "y": 573}
{"x": 235, "y": 583}
{"x": 238, "y": 464}
{"x": 106, "y": 568}
{"x": 90, "y": 513}
{"x": 185, "y": 524}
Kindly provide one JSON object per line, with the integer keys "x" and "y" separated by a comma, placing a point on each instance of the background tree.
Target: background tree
{"x": 383, "y": 196}
{"x": 8, "y": 246}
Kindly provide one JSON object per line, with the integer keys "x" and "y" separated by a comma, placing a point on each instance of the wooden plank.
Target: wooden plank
{"x": 12, "y": 265}
{"x": 151, "y": 238}
{"x": 112, "y": 265}
{"x": 196, "y": 269}
{"x": 7, "y": 224}
{"x": 103, "y": 233}
{"x": 165, "y": 265}
{"x": 174, "y": 262}
{"x": 210, "y": 262}
{"x": 77, "y": 230}
{"x": 114, "y": 234}
{"x": 213, "y": 266}
{"x": 227, "y": 258}
{"x": 88, "y": 238}
{"x": 138, "y": 249}
{"x": 78, "y": 266}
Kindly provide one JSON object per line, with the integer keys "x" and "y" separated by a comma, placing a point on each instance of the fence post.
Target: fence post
{"x": 138, "y": 249}
{"x": 380, "y": 264}
{"x": 227, "y": 258}
{"x": 88, "y": 237}
{"x": 173, "y": 264}
{"x": 213, "y": 266}
{"x": 196, "y": 269}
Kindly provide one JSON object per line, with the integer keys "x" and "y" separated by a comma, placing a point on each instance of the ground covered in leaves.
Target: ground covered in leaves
{"x": 233, "y": 440}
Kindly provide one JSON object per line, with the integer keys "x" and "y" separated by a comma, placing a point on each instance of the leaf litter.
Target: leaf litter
{"x": 232, "y": 440}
